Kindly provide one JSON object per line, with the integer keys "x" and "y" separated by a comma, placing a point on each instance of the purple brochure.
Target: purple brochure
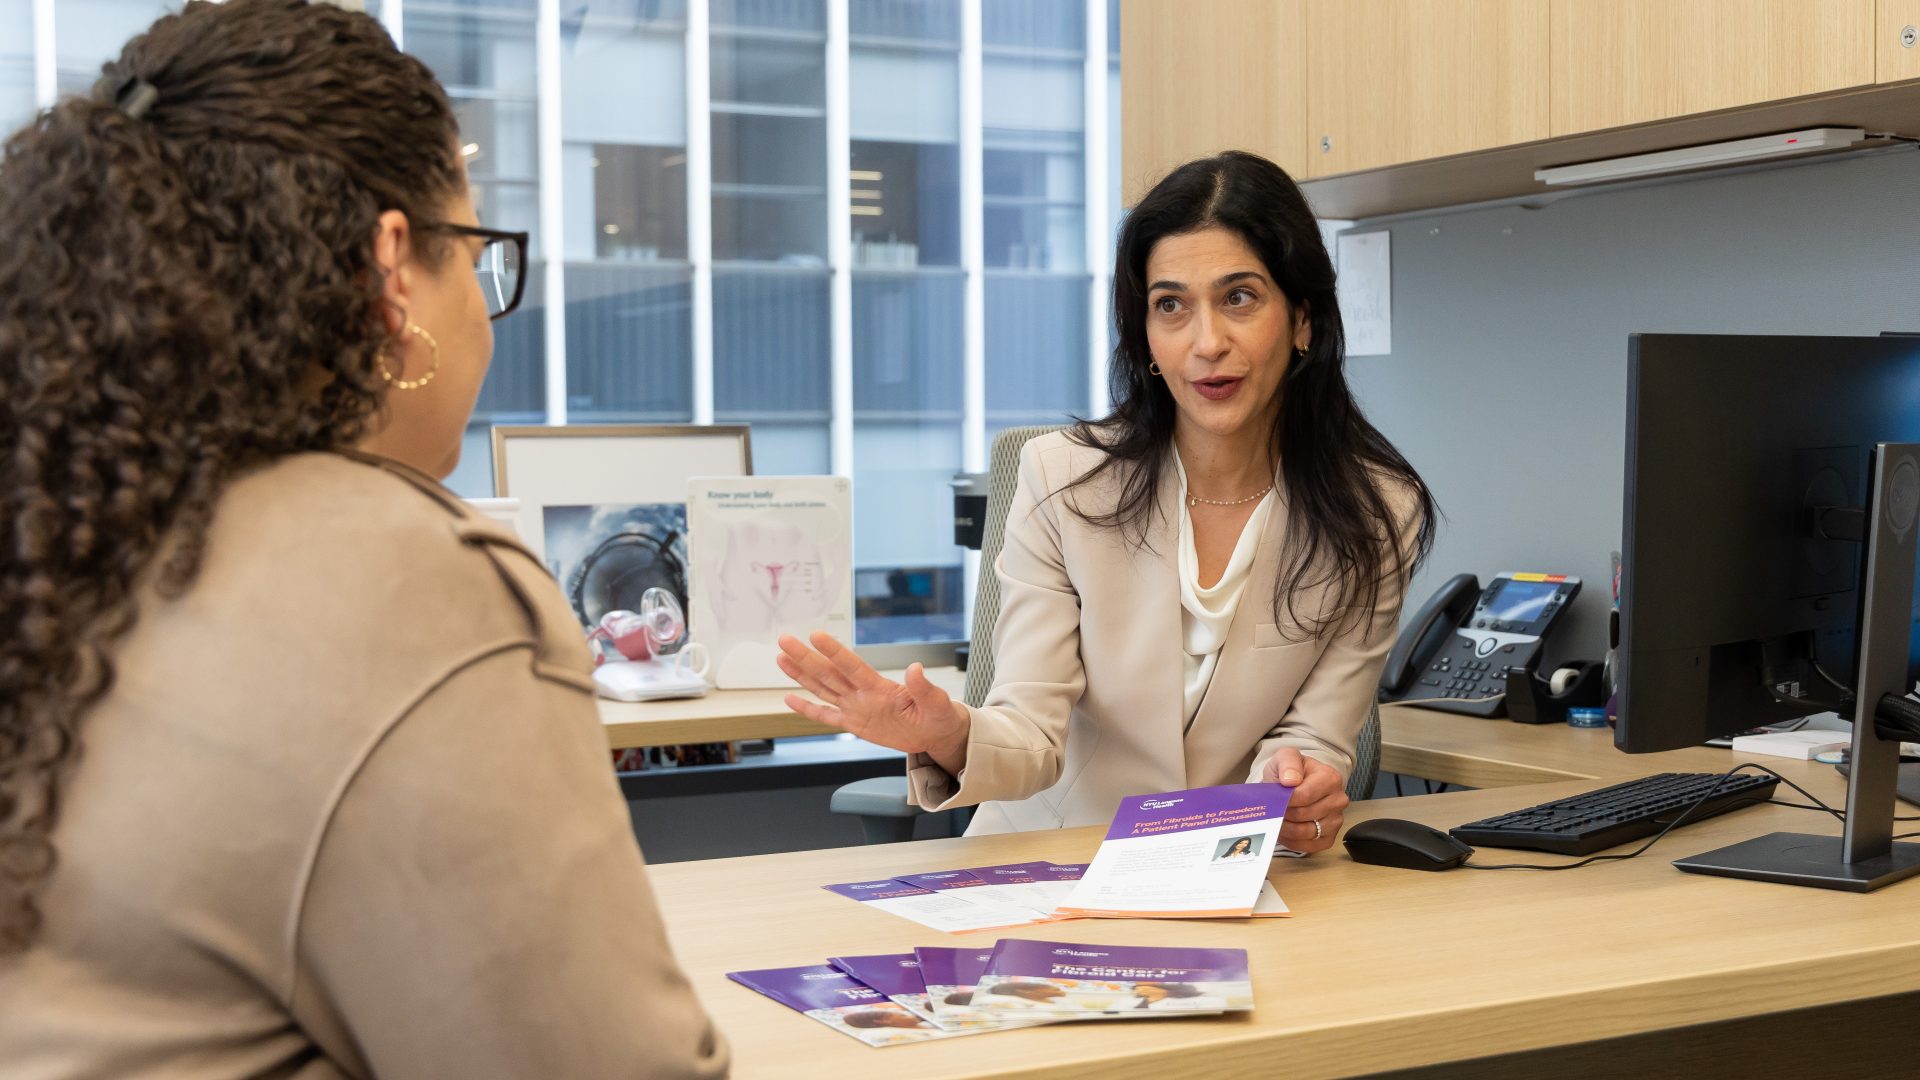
{"x": 843, "y": 1003}
{"x": 897, "y": 975}
{"x": 1055, "y": 978}
{"x": 949, "y": 975}
{"x": 949, "y": 909}
{"x": 1200, "y": 853}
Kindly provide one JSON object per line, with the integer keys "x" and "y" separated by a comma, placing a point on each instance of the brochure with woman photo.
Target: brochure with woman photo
{"x": 950, "y": 975}
{"x": 1064, "y": 979}
{"x": 1200, "y": 853}
{"x": 897, "y": 975}
{"x": 843, "y": 1003}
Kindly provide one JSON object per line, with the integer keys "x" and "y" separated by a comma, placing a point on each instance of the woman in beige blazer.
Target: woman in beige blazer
{"x": 300, "y": 770}
{"x": 1199, "y": 589}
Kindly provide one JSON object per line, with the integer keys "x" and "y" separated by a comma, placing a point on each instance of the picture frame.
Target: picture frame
{"x": 581, "y": 487}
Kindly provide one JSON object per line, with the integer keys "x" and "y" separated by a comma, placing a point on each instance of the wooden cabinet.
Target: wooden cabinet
{"x": 1620, "y": 62}
{"x": 1390, "y": 81}
{"x": 1896, "y": 41}
{"x": 1199, "y": 78}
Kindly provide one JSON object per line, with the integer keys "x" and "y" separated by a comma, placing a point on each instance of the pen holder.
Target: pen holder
{"x": 1532, "y": 700}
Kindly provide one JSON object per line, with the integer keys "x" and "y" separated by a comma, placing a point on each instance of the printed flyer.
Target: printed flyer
{"x": 1065, "y": 979}
{"x": 965, "y": 900}
{"x": 844, "y": 1004}
{"x": 949, "y": 910}
{"x": 770, "y": 555}
{"x": 1200, "y": 853}
{"x": 950, "y": 975}
{"x": 897, "y": 975}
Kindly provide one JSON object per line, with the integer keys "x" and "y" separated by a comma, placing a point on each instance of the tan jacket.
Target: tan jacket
{"x": 1087, "y": 704}
{"x": 348, "y": 811}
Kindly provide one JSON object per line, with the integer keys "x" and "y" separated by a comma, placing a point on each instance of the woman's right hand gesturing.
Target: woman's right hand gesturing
{"x": 915, "y": 717}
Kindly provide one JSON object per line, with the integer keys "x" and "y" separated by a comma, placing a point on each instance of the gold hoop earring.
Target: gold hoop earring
{"x": 1299, "y": 354}
{"x": 433, "y": 348}
{"x": 1153, "y": 367}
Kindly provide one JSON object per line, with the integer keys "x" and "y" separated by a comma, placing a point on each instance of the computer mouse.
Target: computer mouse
{"x": 1405, "y": 844}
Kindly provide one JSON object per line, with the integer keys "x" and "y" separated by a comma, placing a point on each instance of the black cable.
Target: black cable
{"x": 1891, "y": 137}
{"x": 1396, "y": 786}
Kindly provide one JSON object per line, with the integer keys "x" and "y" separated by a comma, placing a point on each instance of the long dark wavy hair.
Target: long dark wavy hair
{"x": 1335, "y": 466}
{"x": 187, "y": 290}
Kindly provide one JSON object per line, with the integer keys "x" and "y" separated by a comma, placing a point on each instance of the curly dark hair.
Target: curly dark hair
{"x": 185, "y": 293}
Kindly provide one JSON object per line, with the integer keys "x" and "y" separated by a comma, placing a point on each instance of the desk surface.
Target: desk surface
{"x": 1465, "y": 750}
{"x": 1482, "y": 963}
{"x": 724, "y": 715}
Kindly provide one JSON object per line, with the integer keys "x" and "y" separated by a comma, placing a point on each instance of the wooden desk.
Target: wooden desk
{"x": 1481, "y": 753}
{"x": 724, "y": 715}
{"x": 1381, "y": 969}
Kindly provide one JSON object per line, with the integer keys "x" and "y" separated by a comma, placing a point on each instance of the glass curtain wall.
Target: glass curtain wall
{"x": 623, "y": 108}
{"x": 483, "y": 53}
{"x": 909, "y": 330}
{"x": 16, "y": 64}
{"x": 1037, "y": 282}
{"x": 623, "y": 206}
{"x": 772, "y": 347}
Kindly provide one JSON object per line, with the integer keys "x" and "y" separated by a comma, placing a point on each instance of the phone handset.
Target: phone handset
{"x": 1443, "y": 612}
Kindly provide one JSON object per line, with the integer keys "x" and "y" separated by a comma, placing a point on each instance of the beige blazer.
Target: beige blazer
{"x": 1087, "y": 704}
{"x": 348, "y": 811}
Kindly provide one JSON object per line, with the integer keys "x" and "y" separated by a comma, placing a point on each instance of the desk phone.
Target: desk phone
{"x": 1455, "y": 651}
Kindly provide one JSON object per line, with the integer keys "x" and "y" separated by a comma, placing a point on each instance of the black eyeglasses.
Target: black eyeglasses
{"x": 501, "y": 265}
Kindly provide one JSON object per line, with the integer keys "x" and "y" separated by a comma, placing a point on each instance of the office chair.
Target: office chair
{"x": 886, "y": 812}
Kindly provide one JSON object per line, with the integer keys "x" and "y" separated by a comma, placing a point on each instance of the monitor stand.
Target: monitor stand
{"x": 1865, "y": 856}
{"x": 1805, "y": 859}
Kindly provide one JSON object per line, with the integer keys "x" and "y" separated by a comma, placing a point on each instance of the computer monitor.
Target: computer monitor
{"x": 1751, "y": 552}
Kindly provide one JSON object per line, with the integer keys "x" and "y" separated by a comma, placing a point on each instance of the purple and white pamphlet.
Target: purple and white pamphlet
{"x": 949, "y": 975}
{"x": 897, "y": 975}
{"x": 843, "y": 1003}
{"x": 947, "y": 910}
{"x": 1200, "y": 853}
{"x": 960, "y": 901}
{"x": 1063, "y": 979}
{"x": 1038, "y": 886}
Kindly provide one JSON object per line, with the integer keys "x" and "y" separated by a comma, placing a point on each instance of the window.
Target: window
{"x": 909, "y": 325}
{"x": 629, "y": 284}
{"x": 483, "y": 53}
{"x": 16, "y": 64}
{"x": 641, "y": 342}
{"x": 772, "y": 350}
{"x": 1034, "y": 219}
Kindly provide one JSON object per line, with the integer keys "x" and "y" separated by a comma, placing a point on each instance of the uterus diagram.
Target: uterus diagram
{"x": 771, "y": 577}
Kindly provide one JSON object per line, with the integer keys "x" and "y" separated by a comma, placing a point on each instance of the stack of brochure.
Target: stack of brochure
{"x": 940, "y": 993}
{"x": 1203, "y": 853}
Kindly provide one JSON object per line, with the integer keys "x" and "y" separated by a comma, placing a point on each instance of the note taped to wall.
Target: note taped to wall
{"x": 1366, "y": 291}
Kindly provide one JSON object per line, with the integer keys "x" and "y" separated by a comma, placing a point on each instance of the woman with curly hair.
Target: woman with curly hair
{"x": 242, "y": 625}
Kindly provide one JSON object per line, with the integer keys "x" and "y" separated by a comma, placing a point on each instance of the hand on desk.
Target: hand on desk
{"x": 1319, "y": 794}
{"x": 917, "y": 717}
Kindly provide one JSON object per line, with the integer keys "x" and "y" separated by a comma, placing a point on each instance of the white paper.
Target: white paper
{"x": 1366, "y": 292}
{"x": 770, "y": 555}
{"x": 1202, "y": 853}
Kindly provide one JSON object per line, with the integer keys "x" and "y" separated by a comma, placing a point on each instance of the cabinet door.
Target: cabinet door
{"x": 1199, "y": 78}
{"x": 1390, "y": 81}
{"x": 1896, "y": 41}
{"x": 1620, "y": 62}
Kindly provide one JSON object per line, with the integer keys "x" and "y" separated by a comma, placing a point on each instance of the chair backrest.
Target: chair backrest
{"x": 1002, "y": 477}
{"x": 1366, "y": 758}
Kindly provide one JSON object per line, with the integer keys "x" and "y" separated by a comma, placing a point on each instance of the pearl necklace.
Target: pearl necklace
{"x": 1195, "y": 500}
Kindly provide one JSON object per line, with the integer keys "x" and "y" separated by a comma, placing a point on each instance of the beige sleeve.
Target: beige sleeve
{"x": 478, "y": 906}
{"x": 1016, "y": 745}
{"x": 1323, "y": 720}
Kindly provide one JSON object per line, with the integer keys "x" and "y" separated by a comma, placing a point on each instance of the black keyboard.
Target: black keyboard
{"x": 1583, "y": 824}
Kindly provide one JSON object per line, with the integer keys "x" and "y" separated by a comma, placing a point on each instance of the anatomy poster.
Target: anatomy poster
{"x": 771, "y": 555}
